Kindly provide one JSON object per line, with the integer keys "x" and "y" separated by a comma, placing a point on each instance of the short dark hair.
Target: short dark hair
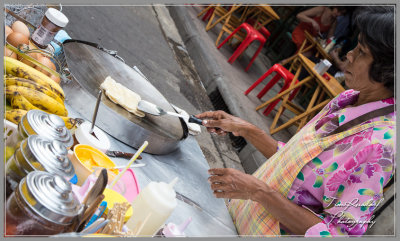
{"x": 342, "y": 9}
{"x": 376, "y": 28}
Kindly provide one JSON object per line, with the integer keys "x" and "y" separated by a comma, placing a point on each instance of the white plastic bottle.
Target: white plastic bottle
{"x": 152, "y": 207}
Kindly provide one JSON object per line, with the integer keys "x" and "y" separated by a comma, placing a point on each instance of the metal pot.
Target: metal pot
{"x": 43, "y": 204}
{"x": 89, "y": 66}
{"x": 50, "y": 126}
{"x": 38, "y": 153}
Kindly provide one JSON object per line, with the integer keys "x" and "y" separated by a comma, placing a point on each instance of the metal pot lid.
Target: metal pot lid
{"x": 47, "y": 125}
{"x": 47, "y": 155}
{"x": 50, "y": 196}
{"x": 89, "y": 66}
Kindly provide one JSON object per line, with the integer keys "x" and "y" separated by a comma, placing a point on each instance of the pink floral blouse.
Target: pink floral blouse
{"x": 344, "y": 184}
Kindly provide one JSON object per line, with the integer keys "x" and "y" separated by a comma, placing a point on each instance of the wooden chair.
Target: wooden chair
{"x": 208, "y": 12}
{"x": 230, "y": 24}
{"x": 220, "y": 14}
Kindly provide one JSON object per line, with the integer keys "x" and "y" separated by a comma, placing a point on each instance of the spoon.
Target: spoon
{"x": 153, "y": 109}
{"x": 97, "y": 189}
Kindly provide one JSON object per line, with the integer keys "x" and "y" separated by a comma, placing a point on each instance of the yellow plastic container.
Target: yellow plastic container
{"x": 111, "y": 197}
{"x": 86, "y": 157}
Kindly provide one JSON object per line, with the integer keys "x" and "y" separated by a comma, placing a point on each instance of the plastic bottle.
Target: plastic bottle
{"x": 172, "y": 230}
{"x": 330, "y": 45}
{"x": 152, "y": 207}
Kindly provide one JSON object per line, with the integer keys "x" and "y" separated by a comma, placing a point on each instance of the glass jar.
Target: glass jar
{"x": 43, "y": 204}
{"x": 38, "y": 153}
{"x": 52, "y": 22}
{"x": 50, "y": 126}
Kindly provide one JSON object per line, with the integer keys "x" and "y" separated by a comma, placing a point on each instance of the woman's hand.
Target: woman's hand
{"x": 231, "y": 183}
{"x": 334, "y": 54}
{"x": 225, "y": 122}
{"x": 315, "y": 26}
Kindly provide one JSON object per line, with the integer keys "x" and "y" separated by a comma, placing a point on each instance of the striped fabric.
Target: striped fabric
{"x": 279, "y": 172}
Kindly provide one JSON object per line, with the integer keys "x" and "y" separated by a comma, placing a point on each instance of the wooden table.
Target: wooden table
{"x": 308, "y": 44}
{"x": 325, "y": 91}
{"x": 320, "y": 50}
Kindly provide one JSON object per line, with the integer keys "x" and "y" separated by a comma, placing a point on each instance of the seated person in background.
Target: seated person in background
{"x": 343, "y": 35}
{"x": 316, "y": 21}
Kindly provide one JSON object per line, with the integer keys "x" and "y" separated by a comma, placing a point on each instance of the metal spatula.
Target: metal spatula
{"x": 153, "y": 109}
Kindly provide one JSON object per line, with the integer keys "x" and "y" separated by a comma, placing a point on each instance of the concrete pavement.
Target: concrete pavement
{"x": 230, "y": 80}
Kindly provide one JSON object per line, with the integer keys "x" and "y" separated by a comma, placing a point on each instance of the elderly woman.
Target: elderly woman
{"x": 328, "y": 179}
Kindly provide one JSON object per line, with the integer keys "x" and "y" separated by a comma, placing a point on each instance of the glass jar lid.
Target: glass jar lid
{"x": 48, "y": 125}
{"x": 48, "y": 155}
{"x": 50, "y": 196}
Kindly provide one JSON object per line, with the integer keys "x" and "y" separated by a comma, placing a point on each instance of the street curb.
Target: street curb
{"x": 208, "y": 69}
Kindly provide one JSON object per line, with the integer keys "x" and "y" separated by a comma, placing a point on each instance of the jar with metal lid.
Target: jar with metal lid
{"x": 41, "y": 154}
{"x": 43, "y": 204}
{"x": 50, "y": 126}
{"x": 52, "y": 22}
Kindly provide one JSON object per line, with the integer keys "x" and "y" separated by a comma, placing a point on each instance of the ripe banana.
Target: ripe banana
{"x": 32, "y": 85}
{"x": 20, "y": 102}
{"x": 15, "y": 115}
{"x": 71, "y": 122}
{"x": 38, "y": 99}
{"x": 19, "y": 69}
{"x": 8, "y": 106}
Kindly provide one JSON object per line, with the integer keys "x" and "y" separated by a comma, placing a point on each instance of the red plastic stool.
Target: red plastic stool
{"x": 262, "y": 29}
{"x": 252, "y": 34}
{"x": 281, "y": 72}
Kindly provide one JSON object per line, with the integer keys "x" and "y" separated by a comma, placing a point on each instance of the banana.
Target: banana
{"x": 32, "y": 85}
{"x": 38, "y": 99}
{"x": 19, "y": 69}
{"x": 8, "y": 106}
{"x": 20, "y": 102}
{"x": 15, "y": 115}
{"x": 71, "y": 122}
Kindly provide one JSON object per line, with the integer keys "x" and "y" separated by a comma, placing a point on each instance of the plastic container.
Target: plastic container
{"x": 322, "y": 66}
{"x": 60, "y": 37}
{"x": 172, "y": 230}
{"x": 152, "y": 207}
{"x": 10, "y": 137}
{"x": 52, "y": 22}
{"x": 112, "y": 197}
{"x": 10, "y": 133}
{"x": 84, "y": 158}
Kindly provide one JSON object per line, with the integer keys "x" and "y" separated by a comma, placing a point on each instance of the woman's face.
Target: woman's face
{"x": 356, "y": 72}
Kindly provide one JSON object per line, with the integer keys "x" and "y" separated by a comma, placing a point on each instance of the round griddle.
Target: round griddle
{"x": 89, "y": 66}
